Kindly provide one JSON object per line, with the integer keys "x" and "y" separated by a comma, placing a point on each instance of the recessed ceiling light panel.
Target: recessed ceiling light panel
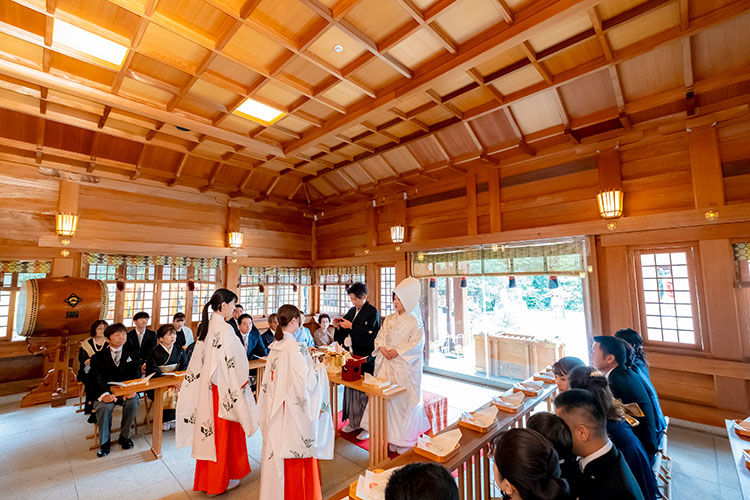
{"x": 92, "y": 45}
{"x": 259, "y": 112}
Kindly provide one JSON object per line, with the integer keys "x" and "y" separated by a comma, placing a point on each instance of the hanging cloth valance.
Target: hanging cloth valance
{"x": 153, "y": 260}
{"x": 551, "y": 258}
{"x": 342, "y": 275}
{"x": 25, "y": 266}
{"x": 280, "y": 275}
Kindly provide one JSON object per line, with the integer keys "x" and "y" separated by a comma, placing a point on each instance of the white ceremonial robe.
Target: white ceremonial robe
{"x": 295, "y": 412}
{"x": 218, "y": 360}
{"x": 406, "y": 416}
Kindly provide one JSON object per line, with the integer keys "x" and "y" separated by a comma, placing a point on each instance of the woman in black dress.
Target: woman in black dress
{"x": 166, "y": 357}
{"x": 88, "y": 348}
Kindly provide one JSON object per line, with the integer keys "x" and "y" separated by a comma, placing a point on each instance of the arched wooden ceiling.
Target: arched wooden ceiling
{"x": 423, "y": 89}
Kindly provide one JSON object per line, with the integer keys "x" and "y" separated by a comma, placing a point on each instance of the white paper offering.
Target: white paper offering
{"x": 483, "y": 418}
{"x": 336, "y": 347}
{"x": 372, "y": 485}
{"x": 531, "y": 385}
{"x": 442, "y": 444}
{"x": 746, "y": 455}
{"x": 509, "y": 398}
{"x": 744, "y": 425}
{"x": 133, "y": 383}
{"x": 375, "y": 382}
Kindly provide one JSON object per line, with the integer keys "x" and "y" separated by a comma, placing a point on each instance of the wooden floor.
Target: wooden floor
{"x": 45, "y": 456}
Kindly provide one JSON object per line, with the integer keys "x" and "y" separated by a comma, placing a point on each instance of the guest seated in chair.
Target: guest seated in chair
{"x": 268, "y": 335}
{"x": 250, "y": 337}
{"x": 141, "y": 339}
{"x": 421, "y": 481}
{"x": 117, "y": 363}
{"x": 561, "y": 368}
{"x": 323, "y": 336}
{"x": 605, "y": 475}
{"x": 557, "y": 432}
{"x": 166, "y": 357}
{"x": 303, "y": 335}
{"x": 88, "y": 348}
{"x": 184, "y": 333}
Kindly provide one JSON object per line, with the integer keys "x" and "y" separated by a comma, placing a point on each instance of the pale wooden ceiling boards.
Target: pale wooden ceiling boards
{"x": 421, "y": 92}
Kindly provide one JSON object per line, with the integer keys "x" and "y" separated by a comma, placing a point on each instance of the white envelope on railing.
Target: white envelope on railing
{"x": 509, "y": 398}
{"x": 531, "y": 385}
{"x": 372, "y": 485}
{"x": 483, "y": 418}
{"x": 440, "y": 445}
{"x": 375, "y": 382}
{"x": 744, "y": 425}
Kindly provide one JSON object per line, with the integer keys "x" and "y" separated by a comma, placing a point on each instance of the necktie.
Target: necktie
{"x": 117, "y": 358}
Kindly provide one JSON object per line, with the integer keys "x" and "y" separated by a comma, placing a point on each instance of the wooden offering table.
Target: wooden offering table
{"x": 158, "y": 385}
{"x": 378, "y": 414}
{"x": 472, "y": 461}
{"x": 258, "y": 364}
{"x": 738, "y": 445}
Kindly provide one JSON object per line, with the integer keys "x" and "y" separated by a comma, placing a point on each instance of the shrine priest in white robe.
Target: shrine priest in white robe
{"x": 399, "y": 359}
{"x": 295, "y": 416}
{"x": 216, "y": 409}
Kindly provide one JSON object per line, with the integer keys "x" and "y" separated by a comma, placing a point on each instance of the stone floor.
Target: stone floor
{"x": 45, "y": 456}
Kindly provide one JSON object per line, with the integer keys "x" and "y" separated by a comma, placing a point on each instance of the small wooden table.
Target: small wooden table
{"x": 259, "y": 365}
{"x": 378, "y": 413}
{"x": 158, "y": 385}
{"x": 738, "y": 444}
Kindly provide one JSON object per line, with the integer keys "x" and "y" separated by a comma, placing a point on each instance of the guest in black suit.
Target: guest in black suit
{"x": 117, "y": 363}
{"x": 234, "y": 321}
{"x": 605, "y": 475}
{"x": 527, "y": 467}
{"x": 141, "y": 339}
{"x": 268, "y": 335}
{"x": 357, "y": 332}
{"x": 184, "y": 333}
{"x": 609, "y": 356}
{"x": 421, "y": 481}
{"x": 557, "y": 432}
{"x": 250, "y": 338}
{"x": 166, "y": 357}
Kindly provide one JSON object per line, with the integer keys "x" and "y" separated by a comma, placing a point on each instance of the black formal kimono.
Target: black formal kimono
{"x": 145, "y": 346}
{"x": 158, "y": 358}
{"x": 365, "y": 327}
{"x": 627, "y": 386}
{"x": 85, "y": 352}
{"x": 608, "y": 477}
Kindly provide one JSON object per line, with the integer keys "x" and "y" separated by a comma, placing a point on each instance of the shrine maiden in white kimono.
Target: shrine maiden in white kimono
{"x": 218, "y": 360}
{"x": 295, "y": 414}
{"x": 404, "y": 333}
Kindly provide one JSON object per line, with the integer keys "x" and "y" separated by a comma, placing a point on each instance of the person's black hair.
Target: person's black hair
{"x": 242, "y": 317}
{"x": 96, "y": 324}
{"x": 421, "y": 481}
{"x": 178, "y": 316}
{"x": 220, "y": 296}
{"x": 592, "y": 380}
{"x": 554, "y": 429}
{"x": 141, "y": 314}
{"x": 272, "y": 317}
{"x": 240, "y": 306}
{"x": 114, "y": 328}
{"x": 634, "y": 340}
{"x": 562, "y": 366}
{"x": 614, "y": 346}
{"x": 285, "y": 315}
{"x": 358, "y": 289}
{"x": 529, "y": 462}
{"x": 584, "y": 403}
{"x": 164, "y": 329}
{"x": 323, "y": 315}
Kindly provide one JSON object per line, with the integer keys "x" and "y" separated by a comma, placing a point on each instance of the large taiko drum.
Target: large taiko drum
{"x": 51, "y": 307}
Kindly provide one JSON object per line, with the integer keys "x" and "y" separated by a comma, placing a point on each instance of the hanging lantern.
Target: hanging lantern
{"x": 610, "y": 203}
{"x": 433, "y": 283}
{"x": 66, "y": 224}
{"x": 553, "y": 283}
{"x": 511, "y": 281}
{"x": 325, "y": 287}
{"x": 235, "y": 239}
{"x": 261, "y": 288}
{"x": 420, "y": 256}
{"x": 397, "y": 234}
{"x": 463, "y": 282}
{"x": 294, "y": 287}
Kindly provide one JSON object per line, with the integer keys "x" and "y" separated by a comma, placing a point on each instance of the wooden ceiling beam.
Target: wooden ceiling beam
{"x": 418, "y": 16}
{"x": 443, "y": 103}
{"x": 596, "y": 22}
{"x": 531, "y": 56}
{"x": 139, "y": 163}
{"x": 40, "y": 131}
{"x": 479, "y": 79}
{"x": 376, "y": 130}
{"x": 421, "y": 125}
{"x": 295, "y": 191}
{"x": 504, "y": 10}
{"x": 93, "y": 152}
{"x": 354, "y": 143}
{"x": 688, "y": 77}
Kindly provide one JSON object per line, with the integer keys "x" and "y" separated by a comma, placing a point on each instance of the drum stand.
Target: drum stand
{"x": 59, "y": 383}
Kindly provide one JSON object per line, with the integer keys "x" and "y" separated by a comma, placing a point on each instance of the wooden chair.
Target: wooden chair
{"x": 663, "y": 466}
{"x": 81, "y": 394}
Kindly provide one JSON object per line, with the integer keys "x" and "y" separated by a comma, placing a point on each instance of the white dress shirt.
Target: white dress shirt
{"x": 583, "y": 462}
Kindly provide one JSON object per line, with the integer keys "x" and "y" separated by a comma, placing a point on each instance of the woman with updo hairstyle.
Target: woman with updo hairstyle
{"x": 635, "y": 341}
{"x": 89, "y": 347}
{"x": 295, "y": 416}
{"x": 527, "y": 467}
{"x": 618, "y": 428}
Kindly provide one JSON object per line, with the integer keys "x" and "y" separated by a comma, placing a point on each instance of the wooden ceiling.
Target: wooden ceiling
{"x": 422, "y": 90}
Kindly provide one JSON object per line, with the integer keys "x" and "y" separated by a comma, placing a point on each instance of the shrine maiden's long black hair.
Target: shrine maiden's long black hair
{"x": 285, "y": 315}
{"x": 220, "y": 296}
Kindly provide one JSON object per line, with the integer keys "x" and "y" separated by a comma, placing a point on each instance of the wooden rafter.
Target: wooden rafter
{"x": 504, "y": 10}
{"x": 135, "y": 41}
{"x": 93, "y": 152}
{"x": 596, "y": 22}
{"x": 531, "y": 55}
{"x": 139, "y": 163}
{"x": 432, "y": 27}
{"x": 450, "y": 108}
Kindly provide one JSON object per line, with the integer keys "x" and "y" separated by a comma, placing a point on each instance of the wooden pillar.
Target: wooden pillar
{"x": 610, "y": 173}
{"x": 495, "y": 215}
{"x": 232, "y": 269}
{"x": 371, "y": 226}
{"x": 449, "y": 305}
{"x": 461, "y": 311}
{"x": 402, "y": 268}
{"x": 67, "y": 202}
{"x": 705, "y": 166}
{"x": 471, "y": 203}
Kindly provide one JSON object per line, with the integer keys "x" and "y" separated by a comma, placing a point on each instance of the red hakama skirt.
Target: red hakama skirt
{"x": 302, "y": 479}
{"x": 231, "y": 456}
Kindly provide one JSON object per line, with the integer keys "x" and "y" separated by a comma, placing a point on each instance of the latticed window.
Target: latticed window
{"x": 12, "y": 276}
{"x": 264, "y": 289}
{"x": 334, "y": 299}
{"x": 387, "y": 285}
{"x": 668, "y": 302}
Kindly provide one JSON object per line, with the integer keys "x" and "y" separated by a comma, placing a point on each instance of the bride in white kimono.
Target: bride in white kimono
{"x": 295, "y": 416}
{"x": 215, "y": 408}
{"x": 399, "y": 358}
